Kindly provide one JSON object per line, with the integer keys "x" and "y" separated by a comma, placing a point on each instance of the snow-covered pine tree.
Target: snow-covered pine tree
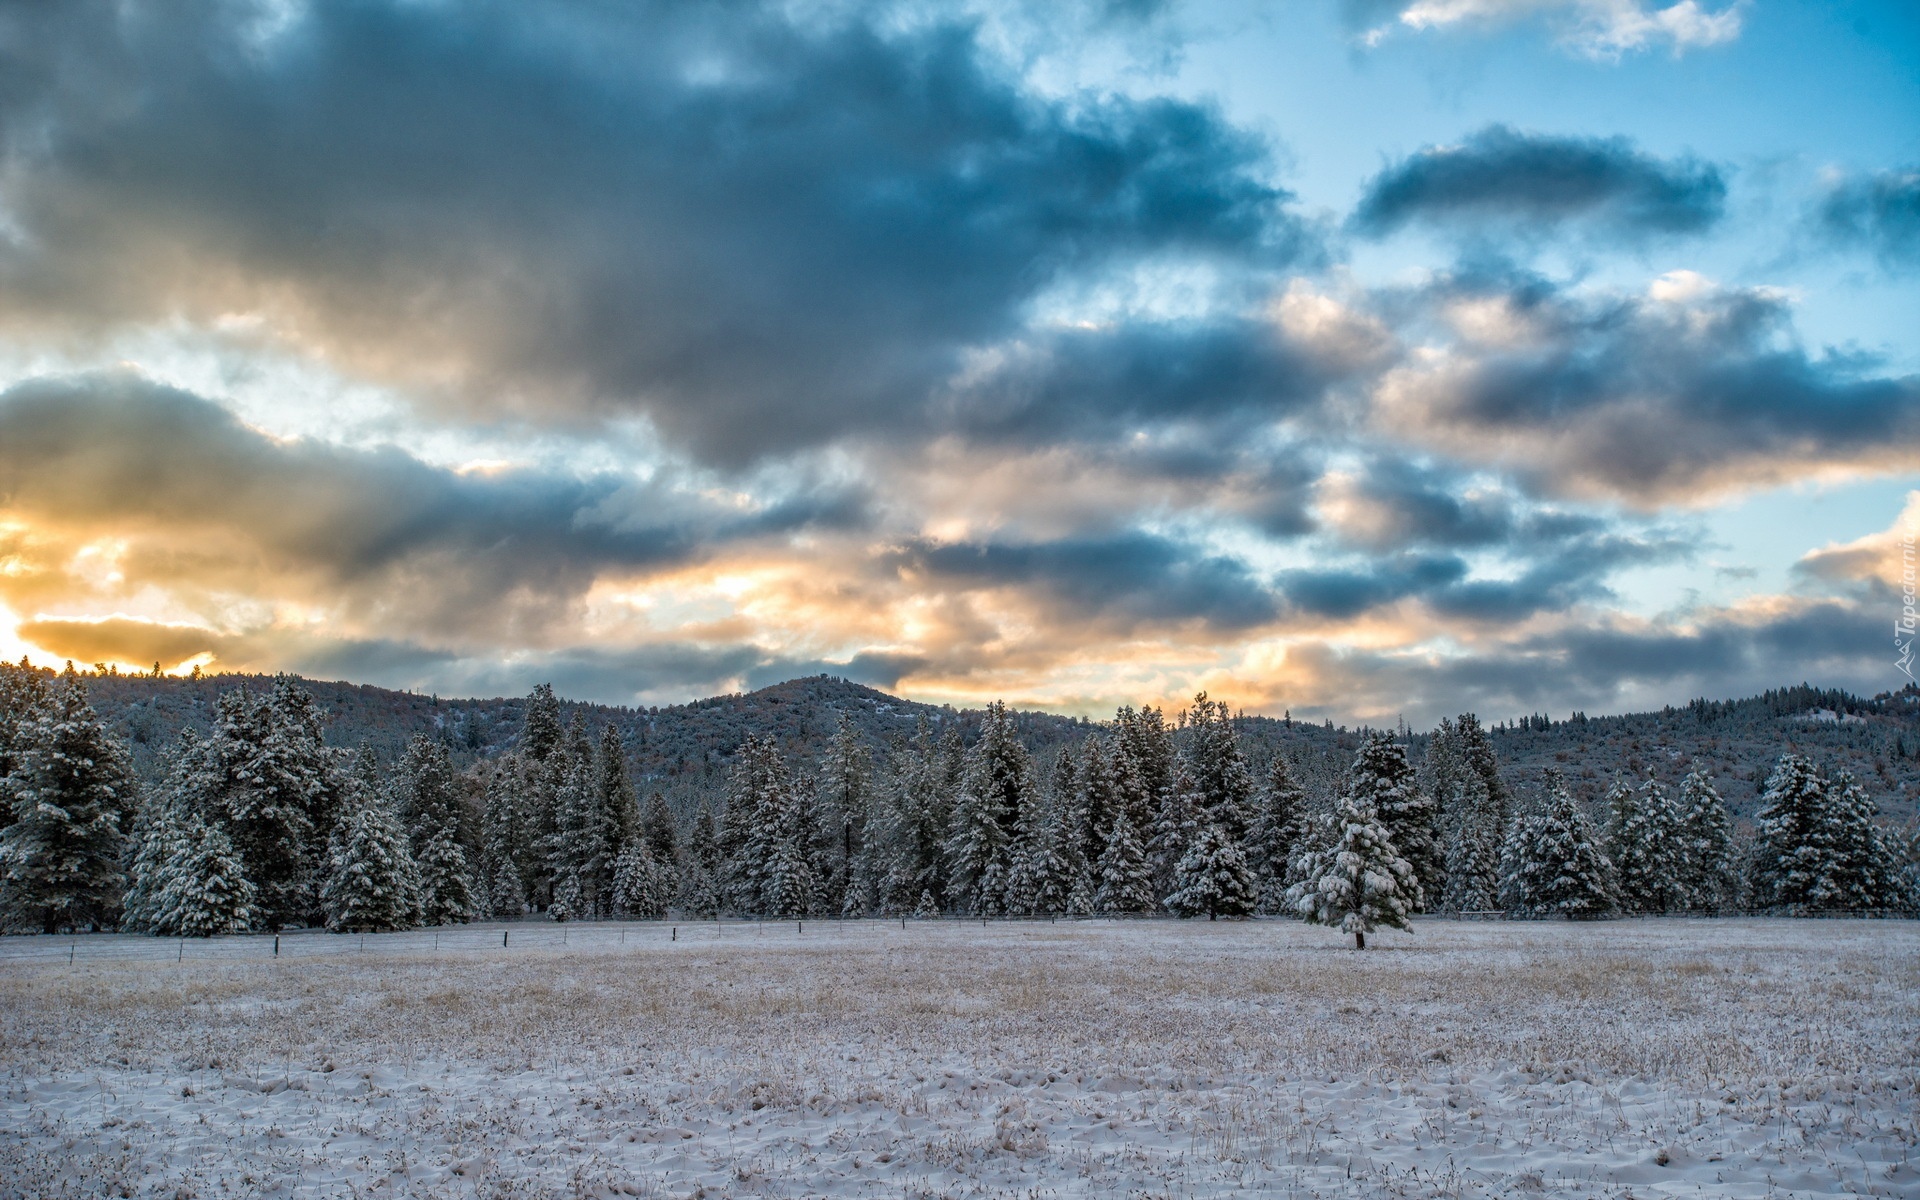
{"x": 1278, "y": 827}
{"x": 641, "y": 883}
{"x": 1098, "y": 795}
{"x": 661, "y": 831}
{"x": 204, "y": 889}
{"x": 1553, "y": 864}
{"x": 23, "y": 691}
{"x": 542, "y": 766}
{"x": 158, "y": 837}
{"x": 542, "y": 732}
{"x": 1384, "y": 780}
{"x": 1040, "y": 876}
{"x": 1706, "y": 833}
{"x": 72, "y": 795}
{"x": 845, "y": 791}
{"x": 1645, "y": 847}
{"x": 1219, "y": 784}
{"x": 427, "y": 802}
{"x": 1125, "y": 875}
{"x": 997, "y": 786}
{"x": 1867, "y": 871}
{"x": 1473, "y": 856}
{"x": 506, "y": 892}
{"x": 1212, "y": 878}
{"x": 620, "y": 817}
{"x": 1793, "y": 854}
{"x": 914, "y": 812}
{"x": 1359, "y": 882}
{"x": 1144, "y": 762}
{"x": 372, "y": 885}
{"x": 792, "y": 882}
{"x": 578, "y": 850}
{"x": 699, "y": 890}
{"x": 1174, "y": 826}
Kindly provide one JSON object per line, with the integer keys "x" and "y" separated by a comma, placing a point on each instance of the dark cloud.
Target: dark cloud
{"x": 412, "y": 543}
{"x": 1500, "y": 177}
{"x": 1671, "y": 395}
{"x": 1129, "y": 579}
{"x": 760, "y": 232}
{"x": 1880, "y": 212}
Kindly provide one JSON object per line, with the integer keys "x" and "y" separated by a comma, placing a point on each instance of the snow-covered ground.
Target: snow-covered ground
{"x": 1643, "y": 1058}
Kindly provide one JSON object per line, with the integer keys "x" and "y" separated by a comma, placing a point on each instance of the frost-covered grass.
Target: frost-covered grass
{"x": 1731, "y": 1058}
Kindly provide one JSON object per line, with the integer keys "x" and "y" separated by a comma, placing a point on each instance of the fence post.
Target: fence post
{"x": 276, "y": 945}
{"x": 676, "y": 934}
{"x": 503, "y": 939}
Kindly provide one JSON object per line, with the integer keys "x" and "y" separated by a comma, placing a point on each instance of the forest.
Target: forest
{"x": 252, "y": 811}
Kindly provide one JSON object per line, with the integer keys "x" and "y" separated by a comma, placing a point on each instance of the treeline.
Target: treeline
{"x": 259, "y": 824}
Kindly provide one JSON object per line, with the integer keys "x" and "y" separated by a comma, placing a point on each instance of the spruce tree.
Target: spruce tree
{"x": 1706, "y": 834}
{"x": 658, "y": 827}
{"x": 1125, "y": 875}
{"x": 1219, "y": 785}
{"x": 1383, "y": 780}
{"x": 620, "y": 817}
{"x": 1473, "y": 855}
{"x": 791, "y": 884}
{"x": 641, "y": 883}
{"x": 1793, "y": 852}
{"x": 1554, "y": 865}
{"x": 1646, "y": 848}
{"x": 1277, "y": 831}
{"x": 72, "y": 794}
{"x": 699, "y": 889}
{"x": 845, "y": 791}
{"x": 204, "y": 890}
{"x": 997, "y": 787}
{"x": 506, "y": 893}
{"x": 445, "y": 882}
{"x": 1867, "y": 867}
{"x": 427, "y": 801}
{"x": 372, "y": 885}
{"x": 1360, "y": 882}
{"x": 1212, "y": 878}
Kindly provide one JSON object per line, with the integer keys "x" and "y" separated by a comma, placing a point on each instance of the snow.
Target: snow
{"x": 1646, "y": 1058}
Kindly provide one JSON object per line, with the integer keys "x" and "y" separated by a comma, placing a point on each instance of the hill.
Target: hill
{"x": 683, "y": 750}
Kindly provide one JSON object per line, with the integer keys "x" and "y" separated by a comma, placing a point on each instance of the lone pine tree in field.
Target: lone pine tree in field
{"x": 1553, "y": 863}
{"x": 1360, "y": 882}
{"x": 1212, "y": 878}
{"x": 71, "y": 796}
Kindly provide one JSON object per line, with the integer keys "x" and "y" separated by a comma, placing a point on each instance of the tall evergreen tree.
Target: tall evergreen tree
{"x": 1553, "y": 863}
{"x": 1794, "y": 855}
{"x": 1219, "y": 784}
{"x": 1360, "y": 882}
{"x": 658, "y": 827}
{"x": 997, "y": 787}
{"x": 1867, "y": 867}
{"x": 1646, "y": 847}
{"x": 1125, "y": 876}
{"x": 700, "y": 873}
{"x": 204, "y": 890}
{"x": 1473, "y": 855}
{"x": 1212, "y": 878}
{"x": 642, "y": 884}
{"x": 1278, "y": 829}
{"x": 620, "y": 817}
{"x": 1706, "y": 834}
{"x": 506, "y": 891}
{"x": 72, "y": 794}
{"x": 1382, "y": 779}
{"x": 845, "y": 791}
{"x": 373, "y": 885}
{"x": 425, "y": 795}
{"x": 542, "y": 732}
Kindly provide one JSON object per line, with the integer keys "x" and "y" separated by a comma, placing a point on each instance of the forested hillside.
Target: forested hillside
{"x": 683, "y": 750}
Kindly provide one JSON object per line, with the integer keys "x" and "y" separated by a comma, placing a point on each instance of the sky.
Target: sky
{"x": 1357, "y": 359}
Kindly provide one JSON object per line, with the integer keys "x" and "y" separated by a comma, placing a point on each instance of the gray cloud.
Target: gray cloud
{"x": 1666, "y": 396}
{"x": 1501, "y": 176}
{"x": 1880, "y": 212}
{"x": 416, "y": 545}
{"x": 758, "y": 233}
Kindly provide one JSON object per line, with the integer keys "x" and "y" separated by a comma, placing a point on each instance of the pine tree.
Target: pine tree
{"x": 1645, "y": 846}
{"x": 846, "y": 780}
{"x": 1360, "y": 882}
{"x": 1793, "y": 851}
{"x": 71, "y": 793}
{"x": 620, "y": 818}
{"x": 577, "y": 852}
{"x": 506, "y": 893}
{"x": 204, "y": 889}
{"x": 1212, "y": 878}
{"x": 997, "y": 788}
{"x": 641, "y": 883}
{"x": 1219, "y": 784}
{"x": 1383, "y": 779}
{"x": 1473, "y": 856}
{"x": 1706, "y": 834}
{"x": 1099, "y": 795}
{"x": 372, "y": 885}
{"x": 542, "y": 733}
{"x": 429, "y": 808}
{"x": 791, "y": 887}
{"x": 1553, "y": 864}
{"x": 1278, "y": 828}
{"x": 1126, "y": 877}
{"x": 1173, "y": 828}
{"x": 699, "y": 890}
{"x": 1867, "y": 871}
{"x": 657, "y": 826}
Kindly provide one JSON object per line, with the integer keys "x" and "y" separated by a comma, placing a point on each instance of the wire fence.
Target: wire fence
{"x": 536, "y": 934}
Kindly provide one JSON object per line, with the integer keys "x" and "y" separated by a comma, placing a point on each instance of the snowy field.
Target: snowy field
{"x": 1152, "y": 1059}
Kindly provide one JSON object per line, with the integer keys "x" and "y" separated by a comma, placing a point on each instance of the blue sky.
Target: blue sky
{"x": 1353, "y": 358}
